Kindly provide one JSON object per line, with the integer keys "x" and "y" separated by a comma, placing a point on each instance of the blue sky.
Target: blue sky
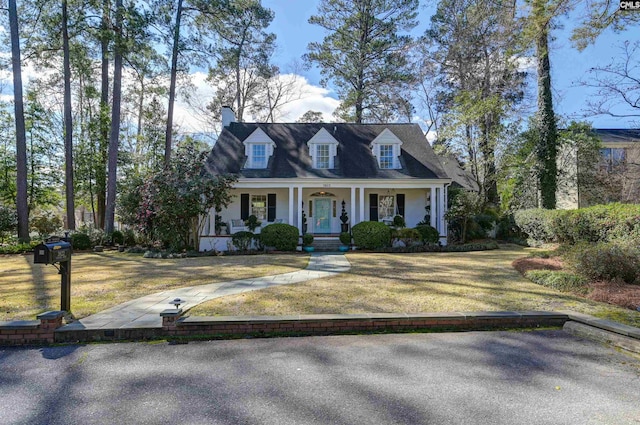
{"x": 568, "y": 65}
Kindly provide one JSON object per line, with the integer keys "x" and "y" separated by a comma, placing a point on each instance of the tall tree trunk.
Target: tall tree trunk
{"x": 21, "y": 138}
{"x": 68, "y": 123}
{"x": 546, "y": 121}
{"x": 172, "y": 86}
{"x": 115, "y": 123}
{"x": 101, "y": 166}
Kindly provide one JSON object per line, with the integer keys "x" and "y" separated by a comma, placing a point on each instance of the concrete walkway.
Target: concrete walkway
{"x": 145, "y": 312}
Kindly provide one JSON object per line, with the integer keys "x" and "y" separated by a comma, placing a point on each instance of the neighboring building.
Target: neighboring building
{"x": 287, "y": 171}
{"x": 618, "y": 173}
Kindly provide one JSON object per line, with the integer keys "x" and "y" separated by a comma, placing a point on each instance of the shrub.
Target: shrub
{"x": 606, "y": 261}
{"x": 46, "y": 224}
{"x": 345, "y": 238}
{"x": 80, "y": 241}
{"x": 252, "y": 222}
{"x": 371, "y": 235}
{"x": 129, "y": 237}
{"x": 20, "y": 248}
{"x": 307, "y": 239}
{"x": 283, "y": 237}
{"x": 561, "y": 281}
{"x": 408, "y": 236}
{"x": 600, "y": 223}
{"x": 242, "y": 240}
{"x": 428, "y": 234}
{"x": 8, "y": 221}
{"x": 398, "y": 222}
{"x": 117, "y": 238}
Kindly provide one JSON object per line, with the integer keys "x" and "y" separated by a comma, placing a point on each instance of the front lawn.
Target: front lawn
{"x": 412, "y": 283}
{"x": 103, "y": 280}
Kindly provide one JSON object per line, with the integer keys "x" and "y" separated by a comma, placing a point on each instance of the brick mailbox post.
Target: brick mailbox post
{"x": 53, "y": 251}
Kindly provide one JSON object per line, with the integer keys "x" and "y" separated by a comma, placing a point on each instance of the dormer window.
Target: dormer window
{"x": 386, "y": 148}
{"x": 322, "y": 157}
{"x": 258, "y": 156}
{"x": 323, "y": 148}
{"x": 258, "y": 148}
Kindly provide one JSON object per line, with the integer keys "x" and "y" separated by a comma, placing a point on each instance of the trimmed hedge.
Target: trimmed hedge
{"x": 428, "y": 234}
{"x": 600, "y": 223}
{"x": 371, "y": 235}
{"x": 282, "y": 237}
{"x": 242, "y": 240}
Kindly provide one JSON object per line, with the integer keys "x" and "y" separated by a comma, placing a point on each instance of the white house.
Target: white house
{"x": 287, "y": 171}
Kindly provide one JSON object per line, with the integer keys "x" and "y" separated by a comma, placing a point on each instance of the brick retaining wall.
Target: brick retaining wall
{"x": 31, "y": 332}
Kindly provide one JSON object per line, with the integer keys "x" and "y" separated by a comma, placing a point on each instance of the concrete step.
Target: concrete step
{"x": 326, "y": 245}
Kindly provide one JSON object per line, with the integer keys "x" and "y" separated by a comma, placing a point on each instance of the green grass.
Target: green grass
{"x": 414, "y": 283}
{"x": 103, "y": 280}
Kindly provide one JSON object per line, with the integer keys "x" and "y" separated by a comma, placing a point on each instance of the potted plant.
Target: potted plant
{"x": 344, "y": 218}
{"x": 219, "y": 224}
{"x": 252, "y": 223}
{"x": 345, "y": 239}
{"x": 307, "y": 240}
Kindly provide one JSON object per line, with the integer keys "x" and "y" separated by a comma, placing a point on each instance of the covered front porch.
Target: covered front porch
{"x": 316, "y": 205}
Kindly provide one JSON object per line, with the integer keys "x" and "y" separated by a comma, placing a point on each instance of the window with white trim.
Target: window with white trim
{"x": 386, "y": 157}
{"x": 323, "y": 156}
{"x": 386, "y": 207}
{"x": 259, "y": 206}
{"x": 258, "y": 156}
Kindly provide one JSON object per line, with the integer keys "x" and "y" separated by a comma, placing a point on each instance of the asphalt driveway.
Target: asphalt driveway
{"x": 542, "y": 377}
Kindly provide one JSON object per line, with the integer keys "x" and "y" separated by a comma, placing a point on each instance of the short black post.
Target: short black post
{"x": 65, "y": 285}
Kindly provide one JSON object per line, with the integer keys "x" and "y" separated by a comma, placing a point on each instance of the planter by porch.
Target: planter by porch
{"x": 343, "y": 248}
{"x": 344, "y": 227}
{"x": 308, "y": 248}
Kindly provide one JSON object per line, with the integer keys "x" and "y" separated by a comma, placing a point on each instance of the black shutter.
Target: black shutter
{"x": 373, "y": 207}
{"x": 244, "y": 206}
{"x": 400, "y": 201}
{"x": 271, "y": 207}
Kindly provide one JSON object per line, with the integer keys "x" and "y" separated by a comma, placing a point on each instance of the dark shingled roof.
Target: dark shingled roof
{"x": 618, "y": 135}
{"x": 459, "y": 175}
{"x": 354, "y": 156}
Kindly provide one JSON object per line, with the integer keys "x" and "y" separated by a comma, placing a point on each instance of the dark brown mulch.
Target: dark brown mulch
{"x": 526, "y": 264}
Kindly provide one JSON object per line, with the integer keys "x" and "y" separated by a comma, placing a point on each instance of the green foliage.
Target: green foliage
{"x": 345, "y": 238}
{"x": 559, "y": 280}
{"x": 46, "y": 224}
{"x": 80, "y": 241}
{"x": 409, "y": 236}
{"x": 252, "y": 222}
{"x": 116, "y": 237}
{"x": 129, "y": 237}
{"x": 171, "y": 202}
{"x": 428, "y": 234}
{"x": 242, "y": 240}
{"x": 8, "y": 221}
{"x": 19, "y": 248}
{"x": 283, "y": 237}
{"x": 344, "y": 217}
{"x": 594, "y": 224}
{"x": 464, "y": 206}
{"x": 307, "y": 239}
{"x": 398, "y": 222}
{"x": 365, "y": 55}
{"x": 371, "y": 235}
{"x": 606, "y": 261}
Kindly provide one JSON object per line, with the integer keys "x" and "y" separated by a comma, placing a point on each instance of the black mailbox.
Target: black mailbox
{"x": 52, "y": 252}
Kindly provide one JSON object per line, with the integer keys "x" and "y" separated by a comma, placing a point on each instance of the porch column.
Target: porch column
{"x": 353, "y": 206}
{"x": 291, "y": 204}
{"x": 432, "y": 208}
{"x": 441, "y": 210}
{"x": 300, "y": 209}
{"x": 361, "y": 189}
